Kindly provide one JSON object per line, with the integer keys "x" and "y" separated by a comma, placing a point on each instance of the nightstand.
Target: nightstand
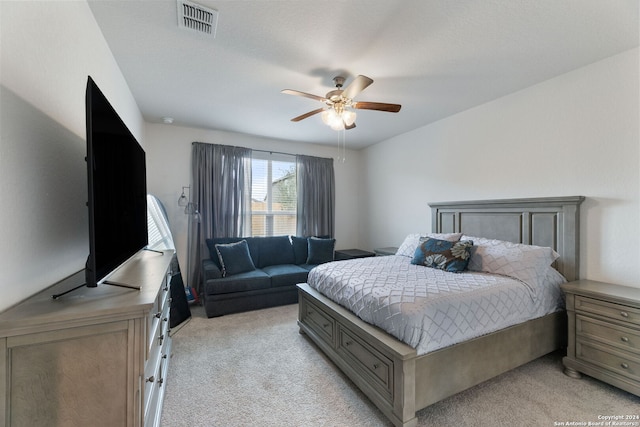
{"x": 604, "y": 333}
{"x": 343, "y": 254}
{"x": 390, "y": 250}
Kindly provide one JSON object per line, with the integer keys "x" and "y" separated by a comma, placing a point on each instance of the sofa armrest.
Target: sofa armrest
{"x": 210, "y": 270}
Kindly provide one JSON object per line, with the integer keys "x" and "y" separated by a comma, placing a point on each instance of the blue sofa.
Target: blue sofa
{"x": 250, "y": 273}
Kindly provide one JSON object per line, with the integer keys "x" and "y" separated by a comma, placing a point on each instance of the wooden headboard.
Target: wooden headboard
{"x": 546, "y": 221}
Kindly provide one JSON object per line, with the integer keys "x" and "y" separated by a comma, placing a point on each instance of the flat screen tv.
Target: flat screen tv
{"x": 117, "y": 193}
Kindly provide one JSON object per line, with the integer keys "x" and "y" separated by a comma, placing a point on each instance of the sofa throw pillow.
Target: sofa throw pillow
{"x": 411, "y": 242}
{"x": 443, "y": 254}
{"x": 234, "y": 258}
{"x": 320, "y": 250}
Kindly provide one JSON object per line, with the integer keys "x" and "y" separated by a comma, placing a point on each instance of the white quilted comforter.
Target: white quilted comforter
{"x": 429, "y": 308}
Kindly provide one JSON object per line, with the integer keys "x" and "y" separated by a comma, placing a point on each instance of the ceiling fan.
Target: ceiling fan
{"x": 338, "y": 111}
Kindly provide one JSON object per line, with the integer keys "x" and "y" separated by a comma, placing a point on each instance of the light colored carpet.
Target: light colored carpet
{"x": 255, "y": 369}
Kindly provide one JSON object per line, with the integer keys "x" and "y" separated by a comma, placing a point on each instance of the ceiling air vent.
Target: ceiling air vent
{"x": 198, "y": 18}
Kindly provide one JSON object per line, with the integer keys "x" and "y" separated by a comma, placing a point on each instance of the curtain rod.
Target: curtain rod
{"x": 274, "y": 152}
{"x": 264, "y": 151}
{"x": 288, "y": 154}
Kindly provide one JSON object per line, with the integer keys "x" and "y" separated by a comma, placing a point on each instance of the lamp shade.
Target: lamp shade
{"x": 349, "y": 117}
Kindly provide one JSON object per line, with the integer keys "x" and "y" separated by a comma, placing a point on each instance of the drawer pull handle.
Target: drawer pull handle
{"x": 624, "y": 365}
{"x": 624, "y": 314}
{"x": 151, "y": 379}
{"x": 158, "y": 314}
{"x": 376, "y": 366}
{"x": 624, "y": 339}
{"x": 348, "y": 343}
{"x": 325, "y": 325}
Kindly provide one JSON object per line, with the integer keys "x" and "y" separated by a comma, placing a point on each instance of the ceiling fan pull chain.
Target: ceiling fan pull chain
{"x": 342, "y": 146}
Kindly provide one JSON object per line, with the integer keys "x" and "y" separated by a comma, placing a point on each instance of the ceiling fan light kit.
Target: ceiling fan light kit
{"x": 339, "y": 111}
{"x": 338, "y": 117}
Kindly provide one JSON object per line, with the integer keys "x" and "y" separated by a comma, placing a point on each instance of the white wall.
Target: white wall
{"x": 576, "y": 134}
{"x": 169, "y": 169}
{"x": 47, "y": 51}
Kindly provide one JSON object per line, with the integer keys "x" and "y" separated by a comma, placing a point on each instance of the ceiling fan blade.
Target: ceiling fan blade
{"x": 359, "y": 84}
{"x": 305, "y": 115}
{"x": 380, "y": 106}
{"x": 306, "y": 95}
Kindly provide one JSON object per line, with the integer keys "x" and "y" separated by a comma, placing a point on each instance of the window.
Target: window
{"x": 273, "y": 194}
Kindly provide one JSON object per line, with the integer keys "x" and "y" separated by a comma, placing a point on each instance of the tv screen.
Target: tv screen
{"x": 117, "y": 189}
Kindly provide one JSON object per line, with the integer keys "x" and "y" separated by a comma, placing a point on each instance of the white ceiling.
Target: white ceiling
{"x": 435, "y": 57}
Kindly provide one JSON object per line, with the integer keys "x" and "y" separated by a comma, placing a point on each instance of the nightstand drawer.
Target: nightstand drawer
{"x": 607, "y": 309}
{"x": 616, "y": 361}
{"x": 618, "y": 336}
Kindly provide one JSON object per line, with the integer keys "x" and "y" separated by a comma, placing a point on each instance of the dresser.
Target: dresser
{"x": 604, "y": 333}
{"x": 95, "y": 356}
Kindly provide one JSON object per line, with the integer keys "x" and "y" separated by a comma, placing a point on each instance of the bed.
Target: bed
{"x": 399, "y": 380}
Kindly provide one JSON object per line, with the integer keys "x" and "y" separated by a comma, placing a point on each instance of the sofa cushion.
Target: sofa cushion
{"x": 275, "y": 250}
{"x": 308, "y": 267}
{"x": 320, "y": 250}
{"x": 242, "y": 282}
{"x": 286, "y": 274}
{"x": 300, "y": 249}
{"x": 210, "y": 270}
{"x": 234, "y": 258}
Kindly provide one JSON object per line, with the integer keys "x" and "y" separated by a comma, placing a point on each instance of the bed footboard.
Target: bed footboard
{"x": 396, "y": 379}
{"x": 382, "y": 367}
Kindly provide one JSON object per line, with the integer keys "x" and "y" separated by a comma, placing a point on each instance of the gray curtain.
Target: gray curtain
{"x": 221, "y": 177}
{"x": 316, "y": 196}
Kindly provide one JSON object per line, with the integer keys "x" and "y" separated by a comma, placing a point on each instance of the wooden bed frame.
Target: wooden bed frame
{"x": 391, "y": 374}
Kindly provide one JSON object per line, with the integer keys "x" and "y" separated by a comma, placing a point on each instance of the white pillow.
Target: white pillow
{"x": 412, "y": 241}
{"x": 527, "y": 263}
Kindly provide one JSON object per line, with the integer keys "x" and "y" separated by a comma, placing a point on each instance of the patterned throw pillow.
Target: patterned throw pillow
{"x": 411, "y": 242}
{"x": 443, "y": 254}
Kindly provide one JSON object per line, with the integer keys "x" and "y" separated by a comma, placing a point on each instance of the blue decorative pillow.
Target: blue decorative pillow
{"x": 234, "y": 258}
{"x": 320, "y": 250}
{"x": 443, "y": 255}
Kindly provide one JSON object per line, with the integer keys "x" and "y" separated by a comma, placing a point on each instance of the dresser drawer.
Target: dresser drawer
{"x": 609, "y": 333}
{"x": 621, "y": 362}
{"x": 153, "y": 385}
{"x": 608, "y": 309}
{"x": 318, "y": 320}
{"x": 377, "y": 367}
{"x": 158, "y": 317}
